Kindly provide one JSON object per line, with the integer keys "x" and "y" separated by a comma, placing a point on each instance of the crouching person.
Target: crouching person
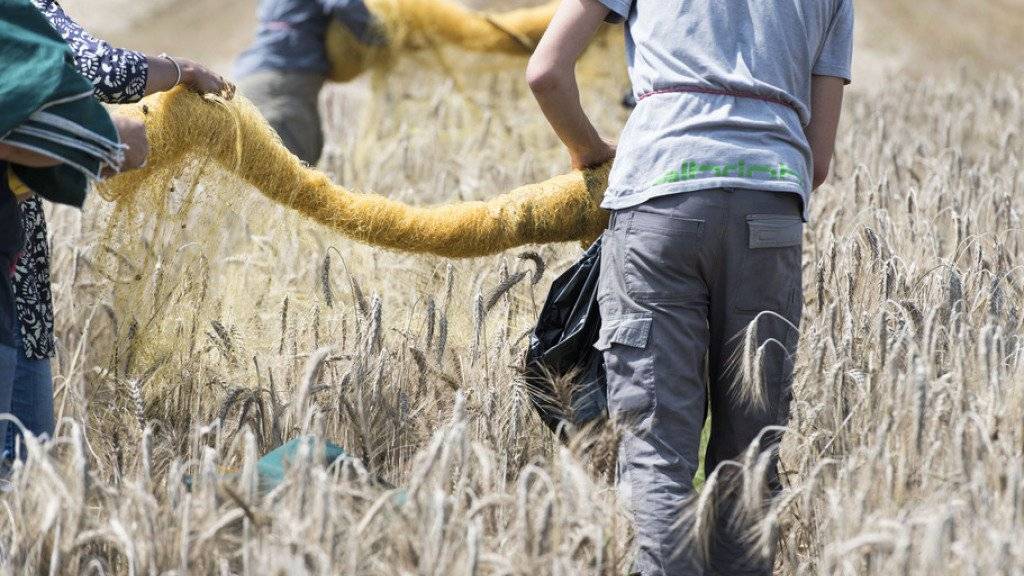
{"x": 284, "y": 69}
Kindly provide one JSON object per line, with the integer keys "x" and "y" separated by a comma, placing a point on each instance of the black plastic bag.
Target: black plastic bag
{"x": 562, "y": 346}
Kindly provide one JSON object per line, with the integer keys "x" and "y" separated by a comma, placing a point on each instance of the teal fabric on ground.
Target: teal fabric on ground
{"x": 273, "y": 467}
{"x": 46, "y": 106}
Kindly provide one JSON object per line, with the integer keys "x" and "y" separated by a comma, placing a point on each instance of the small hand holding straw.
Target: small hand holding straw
{"x": 189, "y": 135}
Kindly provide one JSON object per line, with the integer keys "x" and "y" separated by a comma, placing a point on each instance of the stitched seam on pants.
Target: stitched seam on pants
{"x": 782, "y": 409}
{"x": 716, "y": 249}
{"x": 643, "y": 536}
{"x": 634, "y": 508}
{"x": 653, "y": 298}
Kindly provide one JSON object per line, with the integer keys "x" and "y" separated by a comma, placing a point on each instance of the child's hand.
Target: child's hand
{"x": 593, "y": 157}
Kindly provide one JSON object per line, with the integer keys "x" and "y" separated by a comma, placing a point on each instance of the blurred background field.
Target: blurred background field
{"x": 220, "y": 328}
{"x": 919, "y": 38}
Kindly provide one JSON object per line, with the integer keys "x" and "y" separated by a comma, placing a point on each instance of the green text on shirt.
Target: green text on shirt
{"x": 690, "y": 170}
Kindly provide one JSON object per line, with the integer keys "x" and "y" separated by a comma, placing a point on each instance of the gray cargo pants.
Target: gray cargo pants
{"x": 290, "y": 102}
{"x": 681, "y": 276}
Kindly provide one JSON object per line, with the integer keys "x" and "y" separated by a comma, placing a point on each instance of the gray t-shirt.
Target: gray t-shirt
{"x": 723, "y": 93}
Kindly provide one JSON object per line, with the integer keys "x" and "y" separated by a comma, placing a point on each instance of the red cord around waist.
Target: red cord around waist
{"x": 715, "y": 92}
{"x": 277, "y": 25}
{"x": 13, "y": 265}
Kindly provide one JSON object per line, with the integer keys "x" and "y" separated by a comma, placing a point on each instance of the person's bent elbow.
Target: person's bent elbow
{"x": 542, "y": 76}
{"x": 821, "y": 174}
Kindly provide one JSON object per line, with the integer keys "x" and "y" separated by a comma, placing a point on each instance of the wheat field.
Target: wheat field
{"x": 199, "y": 338}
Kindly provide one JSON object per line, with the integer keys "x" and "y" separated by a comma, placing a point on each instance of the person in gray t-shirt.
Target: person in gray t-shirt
{"x": 738, "y": 105}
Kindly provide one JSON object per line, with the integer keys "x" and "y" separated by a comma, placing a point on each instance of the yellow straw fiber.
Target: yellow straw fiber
{"x": 188, "y": 132}
{"x": 419, "y": 24}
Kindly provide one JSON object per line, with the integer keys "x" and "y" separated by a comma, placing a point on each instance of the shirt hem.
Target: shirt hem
{"x": 619, "y": 199}
{"x": 618, "y": 11}
{"x": 835, "y": 71}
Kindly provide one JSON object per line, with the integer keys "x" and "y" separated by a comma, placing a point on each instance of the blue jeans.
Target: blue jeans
{"x": 8, "y": 368}
{"x": 26, "y": 391}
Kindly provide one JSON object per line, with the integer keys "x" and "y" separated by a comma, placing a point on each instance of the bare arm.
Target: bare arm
{"x": 132, "y": 134}
{"x": 16, "y": 155}
{"x": 163, "y": 75}
{"x": 134, "y": 74}
{"x": 826, "y": 105}
{"x": 552, "y": 77}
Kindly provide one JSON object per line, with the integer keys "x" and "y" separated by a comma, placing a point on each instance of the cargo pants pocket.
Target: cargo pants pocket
{"x": 629, "y": 365}
{"x": 771, "y": 282}
{"x": 771, "y": 264}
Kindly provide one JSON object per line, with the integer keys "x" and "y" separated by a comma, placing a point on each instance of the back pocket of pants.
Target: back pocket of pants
{"x": 629, "y": 364}
{"x": 771, "y": 264}
{"x": 661, "y": 257}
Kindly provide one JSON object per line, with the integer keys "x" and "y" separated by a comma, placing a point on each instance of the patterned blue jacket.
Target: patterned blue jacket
{"x": 290, "y": 35}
